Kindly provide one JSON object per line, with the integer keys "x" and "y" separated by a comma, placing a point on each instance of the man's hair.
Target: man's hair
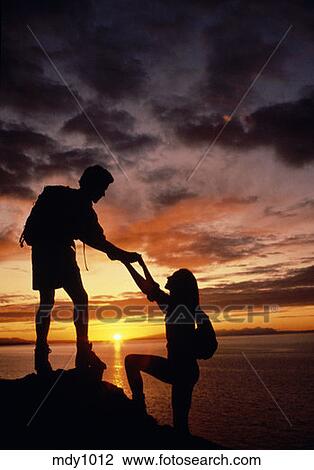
{"x": 95, "y": 175}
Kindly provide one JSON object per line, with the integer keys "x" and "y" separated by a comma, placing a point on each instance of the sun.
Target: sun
{"x": 117, "y": 337}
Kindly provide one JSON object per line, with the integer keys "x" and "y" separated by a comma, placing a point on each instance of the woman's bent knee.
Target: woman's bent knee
{"x": 130, "y": 360}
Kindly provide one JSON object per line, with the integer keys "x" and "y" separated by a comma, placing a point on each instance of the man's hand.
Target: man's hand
{"x": 127, "y": 257}
{"x": 132, "y": 257}
{"x": 115, "y": 253}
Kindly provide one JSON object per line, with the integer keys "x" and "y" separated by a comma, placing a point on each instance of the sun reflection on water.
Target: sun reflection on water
{"x": 118, "y": 363}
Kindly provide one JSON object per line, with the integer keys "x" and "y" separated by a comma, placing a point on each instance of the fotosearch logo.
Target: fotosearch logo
{"x": 235, "y": 313}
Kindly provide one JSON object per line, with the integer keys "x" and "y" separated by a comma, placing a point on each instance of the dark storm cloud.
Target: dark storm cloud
{"x": 193, "y": 125}
{"x": 72, "y": 161}
{"x": 285, "y": 127}
{"x": 115, "y": 126}
{"x": 26, "y": 156}
{"x": 105, "y": 64}
{"x": 25, "y": 87}
{"x": 84, "y": 52}
{"x": 22, "y": 138}
{"x": 114, "y": 53}
{"x": 112, "y": 48}
{"x": 14, "y": 184}
{"x": 237, "y": 50}
{"x": 17, "y": 167}
{"x": 239, "y": 40}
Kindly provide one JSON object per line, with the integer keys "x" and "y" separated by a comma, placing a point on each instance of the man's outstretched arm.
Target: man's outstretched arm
{"x": 112, "y": 251}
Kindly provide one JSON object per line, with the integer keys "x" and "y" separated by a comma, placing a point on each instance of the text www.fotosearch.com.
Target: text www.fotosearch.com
{"x": 84, "y": 460}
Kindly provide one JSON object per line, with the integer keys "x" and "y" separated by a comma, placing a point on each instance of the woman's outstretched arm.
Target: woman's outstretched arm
{"x": 145, "y": 285}
{"x": 148, "y": 285}
{"x": 148, "y": 275}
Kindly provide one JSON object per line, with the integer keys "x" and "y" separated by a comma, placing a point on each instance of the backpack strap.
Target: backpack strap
{"x": 84, "y": 255}
{"x": 22, "y": 239}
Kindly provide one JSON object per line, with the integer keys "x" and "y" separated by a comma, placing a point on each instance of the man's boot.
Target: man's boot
{"x": 97, "y": 366}
{"x": 42, "y": 364}
{"x": 83, "y": 352}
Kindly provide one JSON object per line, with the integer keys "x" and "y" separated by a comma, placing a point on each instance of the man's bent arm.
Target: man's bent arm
{"x": 93, "y": 235}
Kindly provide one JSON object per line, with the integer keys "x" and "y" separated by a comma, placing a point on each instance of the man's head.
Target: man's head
{"x": 94, "y": 182}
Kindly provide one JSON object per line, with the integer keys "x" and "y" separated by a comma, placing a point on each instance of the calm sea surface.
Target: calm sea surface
{"x": 232, "y": 404}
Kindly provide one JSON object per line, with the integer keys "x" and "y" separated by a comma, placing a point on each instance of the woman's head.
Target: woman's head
{"x": 182, "y": 285}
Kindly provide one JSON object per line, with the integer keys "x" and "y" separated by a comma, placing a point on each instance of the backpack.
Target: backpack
{"x": 51, "y": 217}
{"x": 205, "y": 337}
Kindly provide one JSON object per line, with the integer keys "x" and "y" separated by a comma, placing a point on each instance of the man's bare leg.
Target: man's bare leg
{"x": 42, "y": 350}
{"x": 79, "y": 297}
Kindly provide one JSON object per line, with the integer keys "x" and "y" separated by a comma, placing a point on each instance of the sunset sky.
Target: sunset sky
{"x": 158, "y": 80}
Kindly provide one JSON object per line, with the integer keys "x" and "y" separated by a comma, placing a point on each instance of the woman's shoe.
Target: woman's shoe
{"x": 139, "y": 404}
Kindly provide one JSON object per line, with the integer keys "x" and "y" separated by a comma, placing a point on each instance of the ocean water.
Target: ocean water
{"x": 256, "y": 392}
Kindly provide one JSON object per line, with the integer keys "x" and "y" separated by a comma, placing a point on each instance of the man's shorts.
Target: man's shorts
{"x": 54, "y": 266}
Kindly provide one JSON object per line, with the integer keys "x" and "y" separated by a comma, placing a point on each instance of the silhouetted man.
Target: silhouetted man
{"x": 60, "y": 216}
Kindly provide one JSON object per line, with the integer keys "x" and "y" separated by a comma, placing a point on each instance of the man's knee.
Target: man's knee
{"x": 47, "y": 299}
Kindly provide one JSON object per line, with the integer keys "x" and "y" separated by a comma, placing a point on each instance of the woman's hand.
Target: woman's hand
{"x": 141, "y": 262}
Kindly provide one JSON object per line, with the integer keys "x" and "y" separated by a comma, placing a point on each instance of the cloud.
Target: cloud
{"x": 25, "y": 87}
{"x": 25, "y": 139}
{"x": 183, "y": 234}
{"x": 9, "y": 246}
{"x": 28, "y": 155}
{"x": 287, "y": 127}
{"x": 17, "y": 167}
{"x": 115, "y": 126}
{"x": 72, "y": 161}
{"x": 171, "y": 196}
{"x": 237, "y": 49}
{"x": 106, "y": 64}
{"x": 284, "y": 127}
{"x": 295, "y": 287}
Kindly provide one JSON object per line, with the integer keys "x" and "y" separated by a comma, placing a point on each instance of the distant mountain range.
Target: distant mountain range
{"x": 243, "y": 332}
{"x": 14, "y": 341}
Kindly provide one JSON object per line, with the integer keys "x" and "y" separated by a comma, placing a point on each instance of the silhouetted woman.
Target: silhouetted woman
{"x": 180, "y": 368}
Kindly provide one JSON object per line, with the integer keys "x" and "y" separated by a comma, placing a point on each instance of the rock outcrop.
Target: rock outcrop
{"x": 69, "y": 410}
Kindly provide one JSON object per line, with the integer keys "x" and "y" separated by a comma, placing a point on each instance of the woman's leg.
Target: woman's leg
{"x": 153, "y": 365}
{"x": 181, "y": 404}
{"x": 182, "y": 389}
